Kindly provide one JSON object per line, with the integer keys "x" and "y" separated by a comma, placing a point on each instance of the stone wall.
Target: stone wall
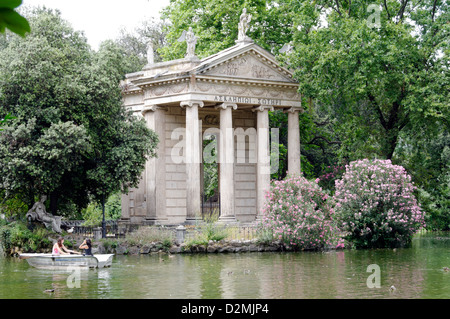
{"x": 223, "y": 246}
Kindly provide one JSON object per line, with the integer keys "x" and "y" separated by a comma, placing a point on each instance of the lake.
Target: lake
{"x": 415, "y": 272}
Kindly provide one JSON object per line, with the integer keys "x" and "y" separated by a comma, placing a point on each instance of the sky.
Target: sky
{"x": 102, "y": 19}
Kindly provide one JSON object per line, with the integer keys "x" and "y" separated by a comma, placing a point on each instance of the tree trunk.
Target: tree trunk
{"x": 392, "y": 126}
{"x": 31, "y": 199}
{"x": 54, "y": 203}
{"x": 391, "y": 142}
{"x": 103, "y": 217}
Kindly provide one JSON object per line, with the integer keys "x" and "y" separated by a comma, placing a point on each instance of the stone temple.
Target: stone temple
{"x": 227, "y": 95}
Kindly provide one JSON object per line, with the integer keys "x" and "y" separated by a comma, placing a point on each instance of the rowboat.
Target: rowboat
{"x": 62, "y": 261}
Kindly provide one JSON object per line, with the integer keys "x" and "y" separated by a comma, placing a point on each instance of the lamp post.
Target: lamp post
{"x": 103, "y": 220}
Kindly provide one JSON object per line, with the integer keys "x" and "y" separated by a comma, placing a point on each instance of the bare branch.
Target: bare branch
{"x": 434, "y": 11}
{"x": 387, "y": 11}
{"x": 402, "y": 10}
{"x": 337, "y": 7}
{"x": 326, "y": 122}
{"x": 378, "y": 110}
{"x": 317, "y": 137}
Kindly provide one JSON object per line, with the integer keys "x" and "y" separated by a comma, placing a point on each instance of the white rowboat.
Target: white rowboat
{"x": 62, "y": 261}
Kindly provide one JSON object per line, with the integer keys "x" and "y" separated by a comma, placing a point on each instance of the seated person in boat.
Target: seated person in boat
{"x": 60, "y": 249}
{"x": 87, "y": 246}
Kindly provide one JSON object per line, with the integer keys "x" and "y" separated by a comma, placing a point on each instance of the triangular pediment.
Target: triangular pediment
{"x": 250, "y": 63}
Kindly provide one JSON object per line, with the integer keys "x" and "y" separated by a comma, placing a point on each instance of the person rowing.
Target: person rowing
{"x": 87, "y": 246}
{"x": 60, "y": 249}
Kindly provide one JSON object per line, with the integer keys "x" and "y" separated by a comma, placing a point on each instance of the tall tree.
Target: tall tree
{"x": 60, "y": 90}
{"x": 379, "y": 67}
{"x": 137, "y": 41}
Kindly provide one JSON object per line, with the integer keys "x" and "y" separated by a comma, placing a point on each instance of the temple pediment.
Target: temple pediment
{"x": 249, "y": 62}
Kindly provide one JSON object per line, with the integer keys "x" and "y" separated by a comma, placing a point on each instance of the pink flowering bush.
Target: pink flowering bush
{"x": 331, "y": 174}
{"x": 297, "y": 212}
{"x": 375, "y": 204}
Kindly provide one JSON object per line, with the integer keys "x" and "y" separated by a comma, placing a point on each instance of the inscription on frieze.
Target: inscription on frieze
{"x": 247, "y": 100}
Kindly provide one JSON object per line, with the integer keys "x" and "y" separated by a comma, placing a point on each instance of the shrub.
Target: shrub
{"x": 16, "y": 234}
{"x": 329, "y": 177}
{"x": 375, "y": 204}
{"x": 299, "y": 214}
{"x": 149, "y": 234}
{"x": 209, "y": 229}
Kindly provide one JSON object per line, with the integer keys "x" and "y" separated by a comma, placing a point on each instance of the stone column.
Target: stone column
{"x": 293, "y": 141}
{"x": 155, "y": 167}
{"x": 263, "y": 156}
{"x": 226, "y": 163}
{"x": 192, "y": 160}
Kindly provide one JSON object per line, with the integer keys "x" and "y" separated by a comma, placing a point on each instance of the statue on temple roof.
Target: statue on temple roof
{"x": 150, "y": 53}
{"x": 191, "y": 41}
{"x": 243, "y": 27}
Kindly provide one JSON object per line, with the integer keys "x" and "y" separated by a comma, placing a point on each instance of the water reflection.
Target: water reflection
{"x": 416, "y": 272}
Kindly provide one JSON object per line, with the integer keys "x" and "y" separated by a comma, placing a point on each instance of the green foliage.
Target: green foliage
{"x": 281, "y": 156}
{"x": 368, "y": 91}
{"x": 437, "y": 206}
{"x": 427, "y": 158}
{"x": 13, "y": 206}
{"x": 10, "y": 19}
{"x": 5, "y": 119}
{"x": 17, "y": 234}
{"x": 210, "y": 168}
{"x": 108, "y": 243}
{"x": 93, "y": 213}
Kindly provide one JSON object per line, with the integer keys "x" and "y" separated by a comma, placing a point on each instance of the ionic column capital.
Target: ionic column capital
{"x": 226, "y": 105}
{"x": 262, "y": 108}
{"x": 152, "y": 108}
{"x": 293, "y": 109}
{"x": 191, "y": 103}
